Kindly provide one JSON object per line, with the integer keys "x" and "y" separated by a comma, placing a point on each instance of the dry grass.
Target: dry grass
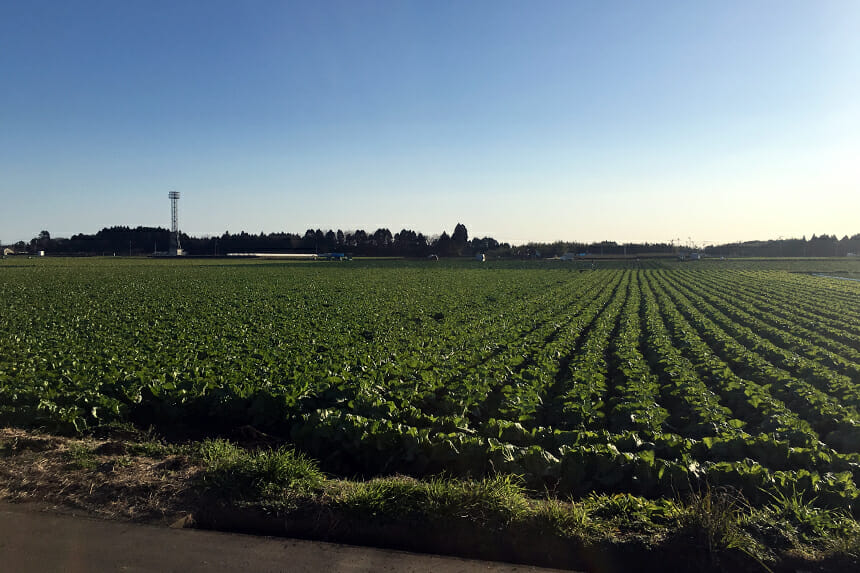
{"x": 96, "y": 476}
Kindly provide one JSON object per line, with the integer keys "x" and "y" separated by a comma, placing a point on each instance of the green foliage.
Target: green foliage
{"x": 638, "y": 381}
{"x": 80, "y": 456}
{"x": 567, "y": 519}
{"x": 802, "y": 518}
{"x": 251, "y": 475}
{"x": 498, "y": 499}
{"x": 627, "y": 508}
{"x": 713, "y": 516}
{"x": 493, "y": 501}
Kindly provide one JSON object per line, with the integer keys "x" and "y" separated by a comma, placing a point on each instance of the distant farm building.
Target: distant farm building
{"x": 300, "y": 256}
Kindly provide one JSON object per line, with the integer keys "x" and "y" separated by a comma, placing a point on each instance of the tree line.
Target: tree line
{"x": 817, "y": 246}
{"x": 122, "y": 240}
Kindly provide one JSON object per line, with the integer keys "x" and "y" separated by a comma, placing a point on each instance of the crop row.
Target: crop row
{"x": 645, "y": 380}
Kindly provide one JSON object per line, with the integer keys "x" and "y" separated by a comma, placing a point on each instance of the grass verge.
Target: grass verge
{"x": 274, "y": 489}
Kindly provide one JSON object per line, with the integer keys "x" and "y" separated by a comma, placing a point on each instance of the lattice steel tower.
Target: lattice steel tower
{"x": 175, "y": 246}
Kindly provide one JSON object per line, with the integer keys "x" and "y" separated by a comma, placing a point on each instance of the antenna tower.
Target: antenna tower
{"x": 175, "y": 246}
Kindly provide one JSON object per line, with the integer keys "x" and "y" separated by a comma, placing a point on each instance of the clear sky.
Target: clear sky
{"x": 530, "y": 120}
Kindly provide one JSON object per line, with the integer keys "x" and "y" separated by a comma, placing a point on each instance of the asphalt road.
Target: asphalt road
{"x": 32, "y": 540}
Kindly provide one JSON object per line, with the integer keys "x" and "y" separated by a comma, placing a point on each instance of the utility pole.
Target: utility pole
{"x": 175, "y": 246}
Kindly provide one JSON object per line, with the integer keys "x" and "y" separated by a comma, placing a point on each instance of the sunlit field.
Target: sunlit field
{"x": 638, "y": 377}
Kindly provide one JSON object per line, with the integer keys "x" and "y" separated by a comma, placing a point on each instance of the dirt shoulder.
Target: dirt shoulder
{"x": 107, "y": 478}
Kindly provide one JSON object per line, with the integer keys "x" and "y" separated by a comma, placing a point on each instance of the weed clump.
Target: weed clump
{"x": 81, "y": 456}
{"x": 493, "y": 501}
{"x": 245, "y": 475}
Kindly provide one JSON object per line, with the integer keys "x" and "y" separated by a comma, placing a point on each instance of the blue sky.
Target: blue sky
{"x": 628, "y": 121}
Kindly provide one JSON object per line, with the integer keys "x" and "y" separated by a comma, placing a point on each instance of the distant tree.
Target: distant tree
{"x": 408, "y": 243}
{"x": 483, "y": 245}
{"x": 41, "y": 242}
{"x": 460, "y": 238}
{"x": 359, "y": 238}
{"x": 382, "y": 238}
{"x": 444, "y": 246}
{"x": 330, "y": 240}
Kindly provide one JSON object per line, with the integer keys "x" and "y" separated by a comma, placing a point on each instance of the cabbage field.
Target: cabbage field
{"x": 645, "y": 378}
